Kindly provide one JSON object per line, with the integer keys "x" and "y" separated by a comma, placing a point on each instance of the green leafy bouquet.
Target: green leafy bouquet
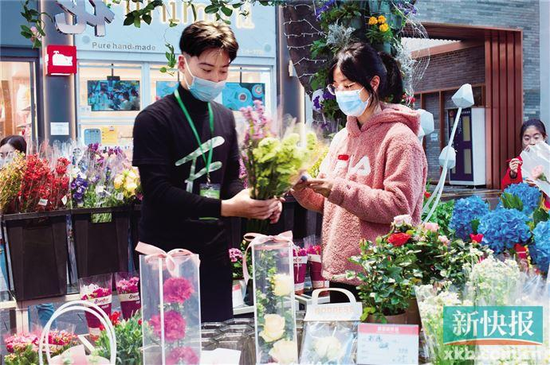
{"x": 273, "y": 164}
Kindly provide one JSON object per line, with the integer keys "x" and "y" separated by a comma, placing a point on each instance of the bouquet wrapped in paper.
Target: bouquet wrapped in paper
{"x": 97, "y": 290}
{"x": 316, "y": 268}
{"x": 536, "y": 165}
{"x": 275, "y": 315}
{"x": 127, "y": 287}
{"x": 300, "y": 267}
{"x": 170, "y": 306}
{"x": 274, "y": 157}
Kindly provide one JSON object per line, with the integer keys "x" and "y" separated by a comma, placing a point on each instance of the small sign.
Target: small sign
{"x": 109, "y": 136}
{"x": 387, "y": 344}
{"x": 59, "y": 129}
{"x": 60, "y": 60}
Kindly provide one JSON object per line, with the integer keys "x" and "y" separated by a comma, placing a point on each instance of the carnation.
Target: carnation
{"x": 235, "y": 255}
{"x": 177, "y": 290}
{"x": 465, "y": 211}
{"x": 174, "y": 326}
{"x": 314, "y": 250}
{"x": 184, "y": 355}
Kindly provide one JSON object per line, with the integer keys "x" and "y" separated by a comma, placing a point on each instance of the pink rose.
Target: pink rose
{"x": 402, "y": 220}
{"x": 444, "y": 240}
{"x": 182, "y": 354}
{"x": 536, "y": 172}
{"x": 177, "y": 290}
{"x": 174, "y": 326}
{"x": 432, "y": 227}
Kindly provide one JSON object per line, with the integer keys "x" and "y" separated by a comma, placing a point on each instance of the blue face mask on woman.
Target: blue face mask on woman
{"x": 350, "y": 102}
{"x": 202, "y": 89}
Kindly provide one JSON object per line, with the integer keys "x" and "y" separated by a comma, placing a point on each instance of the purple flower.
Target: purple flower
{"x": 317, "y": 104}
{"x": 324, "y": 8}
{"x": 327, "y": 95}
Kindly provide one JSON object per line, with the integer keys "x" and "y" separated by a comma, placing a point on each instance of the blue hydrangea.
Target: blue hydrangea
{"x": 529, "y": 195}
{"x": 540, "y": 251}
{"x": 503, "y": 228}
{"x": 465, "y": 211}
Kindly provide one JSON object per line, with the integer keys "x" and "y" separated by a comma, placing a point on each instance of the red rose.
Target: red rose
{"x": 477, "y": 238}
{"x": 399, "y": 239}
{"x": 427, "y": 194}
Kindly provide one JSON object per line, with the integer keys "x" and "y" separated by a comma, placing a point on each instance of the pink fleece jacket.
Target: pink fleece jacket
{"x": 379, "y": 172}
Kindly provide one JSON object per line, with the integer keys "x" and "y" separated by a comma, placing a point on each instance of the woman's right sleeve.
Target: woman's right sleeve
{"x": 507, "y": 180}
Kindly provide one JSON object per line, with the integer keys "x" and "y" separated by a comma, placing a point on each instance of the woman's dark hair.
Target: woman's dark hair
{"x": 359, "y": 62}
{"x": 537, "y": 123}
{"x": 16, "y": 142}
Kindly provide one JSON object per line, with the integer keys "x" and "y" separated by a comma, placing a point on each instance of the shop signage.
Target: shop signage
{"x": 95, "y": 17}
{"x": 255, "y": 33}
{"x": 60, "y": 59}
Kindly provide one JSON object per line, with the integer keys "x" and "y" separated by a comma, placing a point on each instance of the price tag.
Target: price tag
{"x": 64, "y": 200}
{"x": 99, "y": 189}
{"x": 43, "y": 202}
{"x": 119, "y": 196}
{"x": 387, "y": 344}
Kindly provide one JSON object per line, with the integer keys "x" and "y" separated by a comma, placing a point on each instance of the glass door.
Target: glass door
{"x": 17, "y": 99}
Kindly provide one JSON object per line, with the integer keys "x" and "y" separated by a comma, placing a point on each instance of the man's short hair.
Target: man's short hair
{"x": 203, "y": 35}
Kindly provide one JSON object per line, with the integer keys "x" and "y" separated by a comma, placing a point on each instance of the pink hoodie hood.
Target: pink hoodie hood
{"x": 378, "y": 171}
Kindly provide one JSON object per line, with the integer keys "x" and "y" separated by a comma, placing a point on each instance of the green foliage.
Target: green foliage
{"x": 388, "y": 277}
{"x": 129, "y": 342}
{"x": 34, "y": 19}
{"x": 442, "y": 216}
{"x": 510, "y": 201}
{"x": 27, "y": 357}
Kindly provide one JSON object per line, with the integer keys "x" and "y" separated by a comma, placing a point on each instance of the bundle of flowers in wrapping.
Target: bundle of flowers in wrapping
{"x": 316, "y": 268}
{"x": 98, "y": 290}
{"x": 330, "y": 331}
{"x": 127, "y": 287}
{"x": 170, "y": 295}
{"x": 274, "y": 160}
{"x": 275, "y": 315}
{"x": 300, "y": 266}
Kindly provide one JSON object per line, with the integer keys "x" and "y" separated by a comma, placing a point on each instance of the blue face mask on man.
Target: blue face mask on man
{"x": 202, "y": 89}
{"x": 350, "y": 102}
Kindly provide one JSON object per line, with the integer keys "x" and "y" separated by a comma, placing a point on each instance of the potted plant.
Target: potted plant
{"x": 387, "y": 278}
{"x": 128, "y": 335}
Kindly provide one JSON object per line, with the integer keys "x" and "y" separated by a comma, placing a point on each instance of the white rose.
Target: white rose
{"x": 284, "y": 352}
{"x": 401, "y": 220}
{"x": 328, "y": 348}
{"x": 283, "y": 285}
{"x": 274, "y": 327}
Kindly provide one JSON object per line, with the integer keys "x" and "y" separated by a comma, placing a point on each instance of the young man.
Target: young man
{"x": 185, "y": 146}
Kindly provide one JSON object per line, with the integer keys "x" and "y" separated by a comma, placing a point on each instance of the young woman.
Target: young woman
{"x": 532, "y": 132}
{"x": 10, "y": 144}
{"x": 375, "y": 169}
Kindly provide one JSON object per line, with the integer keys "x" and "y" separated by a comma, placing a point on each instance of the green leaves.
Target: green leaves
{"x": 510, "y": 201}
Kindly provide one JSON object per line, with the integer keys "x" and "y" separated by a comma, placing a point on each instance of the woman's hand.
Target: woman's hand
{"x": 514, "y": 165}
{"x": 321, "y": 186}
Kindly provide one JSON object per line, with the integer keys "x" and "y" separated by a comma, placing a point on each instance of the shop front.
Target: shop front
{"x": 120, "y": 74}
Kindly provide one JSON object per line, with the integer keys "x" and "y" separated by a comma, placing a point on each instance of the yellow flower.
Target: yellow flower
{"x": 373, "y": 20}
{"x": 285, "y": 352}
{"x": 283, "y": 285}
{"x": 384, "y": 28}
{"x": 118, "y": 182}
{"x": 132, "y": 175}
{"x": 381, "y": 19}
{"x": 274, "y": 327}
{"x": 131, "y": 187}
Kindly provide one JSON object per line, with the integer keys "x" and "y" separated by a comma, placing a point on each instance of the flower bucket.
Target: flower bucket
{"x": 239, "y": 292}
{"x": 37, "y": 245}
{"x": 101, "y": 237}
{"x": 98, "y": 291}
{"x": 300, "y": 268}
{"x": 127, "y": 287}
